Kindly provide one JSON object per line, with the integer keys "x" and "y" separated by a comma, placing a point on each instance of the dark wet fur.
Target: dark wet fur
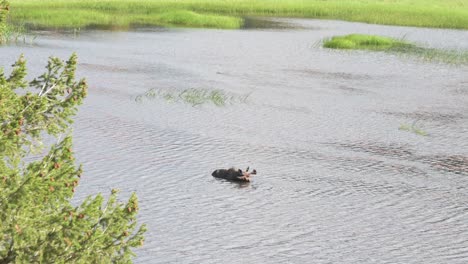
{"x": 230, "y": 174}
{"x": 233, "y": 174}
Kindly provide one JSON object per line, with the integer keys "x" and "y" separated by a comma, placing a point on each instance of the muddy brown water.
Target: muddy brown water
{"x": 338, "y": 181}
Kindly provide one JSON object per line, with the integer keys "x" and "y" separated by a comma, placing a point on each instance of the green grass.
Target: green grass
{"x": 363, "y": 42}
{"x": 79, "y": 18}
{"x": 228, "y": 13}
{"x": 193, "y": 96}
{"x": 184, "y": 17}
{"x": 14, "y": 34}
{"x": 396, "y": 46}
{"x": 8, "y": 32}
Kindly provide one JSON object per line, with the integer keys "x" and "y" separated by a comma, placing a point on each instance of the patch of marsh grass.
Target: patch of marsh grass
{"x": 193, "y": 96}
{"x": 80, "y": 18}
{"x": 396, "y": 46}
{"x": 413, "y": 129}
{"x": 84, "y": 13}
{"x": 118, "y": 15}
{"x": 457, "y": 57}
{"x": 184, "y": 17}
{"x": 364, "y": 42}
{"x": 14, "y": 34}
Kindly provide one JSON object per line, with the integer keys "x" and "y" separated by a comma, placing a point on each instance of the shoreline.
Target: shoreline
{"x": 61, "y": 14}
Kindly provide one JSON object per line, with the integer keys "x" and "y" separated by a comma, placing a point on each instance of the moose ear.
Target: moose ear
{"x": 247, "y": 170}
{"x": 240, "y": 171}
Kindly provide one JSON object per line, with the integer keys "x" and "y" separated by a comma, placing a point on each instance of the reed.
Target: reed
{"x": 15, "y": 34}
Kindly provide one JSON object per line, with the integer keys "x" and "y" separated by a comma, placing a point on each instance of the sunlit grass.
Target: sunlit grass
{"x": 359, "y": 41}
{"x": 14, "y": 34}
{"x": 396, "y": 46}
{"x": 184, "y": 17}
{"x": 228, "y": 13}
{"x": 80, "y": 18}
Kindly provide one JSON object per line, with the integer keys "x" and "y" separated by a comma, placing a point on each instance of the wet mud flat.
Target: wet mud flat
{"x": 338, "y": 181}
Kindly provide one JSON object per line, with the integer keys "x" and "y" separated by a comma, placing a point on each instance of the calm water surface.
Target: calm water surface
{"x": 338, "y": 181}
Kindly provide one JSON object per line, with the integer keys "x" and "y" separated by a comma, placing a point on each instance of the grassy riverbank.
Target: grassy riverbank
{"x": 228, "y": 13}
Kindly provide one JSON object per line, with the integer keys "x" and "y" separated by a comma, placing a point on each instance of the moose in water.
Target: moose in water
{"x": 234, "y": 174}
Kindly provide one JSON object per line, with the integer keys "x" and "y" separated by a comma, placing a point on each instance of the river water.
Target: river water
{"x": 338, "y": 181}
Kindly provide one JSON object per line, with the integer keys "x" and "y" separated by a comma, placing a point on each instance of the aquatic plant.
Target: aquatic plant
{"x": 194, "y": 96}
{"x": 413, "y": 128}
{"x": 363, "y": 42}
{"x": 396, "y": 46}
{"x": 125, "y": 13}
{"x": 432, "y": 54}
{"x": 15, "y": 34}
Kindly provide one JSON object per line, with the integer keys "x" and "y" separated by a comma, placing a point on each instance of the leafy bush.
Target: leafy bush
{"x": 4, "y": 7}
{"x": 38, "y": 224}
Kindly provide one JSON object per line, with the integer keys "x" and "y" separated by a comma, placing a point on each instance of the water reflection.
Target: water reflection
{"x": 265, "y": 23}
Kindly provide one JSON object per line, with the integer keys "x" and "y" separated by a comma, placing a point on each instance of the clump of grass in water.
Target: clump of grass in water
{"x": 201, "y": 96}
{"x": 397, "y": 46}
{"x": 364, "y": 42}
{"x": 413, "y": 128}
{"x": 14, "y": 34}
{"x": 194, "y": 96}
{"x": 431, "y": 54}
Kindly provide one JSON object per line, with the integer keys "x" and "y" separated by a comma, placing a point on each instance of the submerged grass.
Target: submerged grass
{"x": 227, "y": 13}
{"x": 413, "y": 129}
{"x": 458, "y": 57}
{"x": 397, "y": 46}
{"x": 193, "y": 96}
